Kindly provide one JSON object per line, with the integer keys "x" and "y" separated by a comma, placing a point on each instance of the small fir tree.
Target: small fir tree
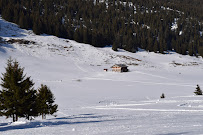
{"x": 45, "y": 101}
{"x": 198, "y": 91}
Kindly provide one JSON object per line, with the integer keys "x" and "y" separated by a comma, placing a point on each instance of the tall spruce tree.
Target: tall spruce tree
{"x": 17, "y": 94}
{"x": 45, "y": 101}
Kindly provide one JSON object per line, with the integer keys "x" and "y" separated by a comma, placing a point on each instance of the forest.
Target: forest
{"x": 153, "y": 25}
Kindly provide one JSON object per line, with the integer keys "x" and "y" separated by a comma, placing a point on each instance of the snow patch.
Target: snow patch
{"x": 18, "y": 123}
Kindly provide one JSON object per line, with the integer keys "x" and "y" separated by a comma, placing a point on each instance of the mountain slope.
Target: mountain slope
{"x": 92, "y": 101}
{"x": 154, "y": 25}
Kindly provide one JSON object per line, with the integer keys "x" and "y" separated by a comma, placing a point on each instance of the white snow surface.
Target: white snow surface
{"x": 94, "y": 102}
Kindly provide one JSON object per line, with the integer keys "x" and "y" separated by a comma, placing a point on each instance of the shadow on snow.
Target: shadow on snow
{"x": 82, "y": 116}
{"x": 179, "y": 133}
{"x": 3, "y": 46}
{"x": 53, "y": 122}
{"x": 10, "y": 30}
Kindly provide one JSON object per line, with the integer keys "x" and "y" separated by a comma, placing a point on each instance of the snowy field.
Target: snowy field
{"x": 94, "y": 102}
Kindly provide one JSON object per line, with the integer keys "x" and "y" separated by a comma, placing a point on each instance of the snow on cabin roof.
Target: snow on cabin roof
{"x": 119, "y": 65}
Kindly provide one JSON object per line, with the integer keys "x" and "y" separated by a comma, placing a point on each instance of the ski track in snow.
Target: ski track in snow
{"x": 151, "y": 75}
{"x": 154, "y": 110}
{"x": 147, "y": 83}
{"x": 186, "y": 104}
{"x": 79, "y": 67}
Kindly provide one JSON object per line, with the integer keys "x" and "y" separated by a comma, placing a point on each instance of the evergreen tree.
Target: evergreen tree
{"x": 30, "y": 104}
{"x": 77, "y": 35}
{"x": 198, "y": 91}
{"x": 8, "y": 13}
{"x": 116, "y": 43}
{"x": 45, "y": 101}
{"x": 156, "y": 47}
{"x": 22, "y": 21}
{"x": 115, "y": 46}
{"x": 85, "y": 36}
{"x": 200, "y": 50}
{"x": 17, "y": 94}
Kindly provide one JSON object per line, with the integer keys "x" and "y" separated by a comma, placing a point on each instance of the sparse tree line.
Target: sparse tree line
{"x": 18, "y": 98}
{"x": 198, "y": 91}
{"x": 126, "y": 24}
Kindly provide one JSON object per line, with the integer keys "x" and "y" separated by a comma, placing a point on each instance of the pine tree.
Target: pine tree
{"x": 85, "y": 36}
{"x": 115, "y": 46}
{"x": 45, "y": 100}
{"x": 116, "y": 43}
{"x": 17, "y": 94}
{"x": 22, "y": 21}
{"x": 30, "y": 104}
{"x": 200, "y": 50}
{"x": 8, "y": 13}
{"x": 198, "y": 91}
{"x": 156, "y": 46}
{"x": 76, "y": 35}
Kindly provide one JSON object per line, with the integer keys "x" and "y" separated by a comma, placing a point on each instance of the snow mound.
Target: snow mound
{"x": 18, "y": 123}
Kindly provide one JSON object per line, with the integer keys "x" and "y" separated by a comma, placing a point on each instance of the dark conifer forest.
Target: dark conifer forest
{"x": 153, "y": 25}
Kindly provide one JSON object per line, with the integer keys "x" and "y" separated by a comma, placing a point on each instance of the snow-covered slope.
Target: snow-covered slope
{"x": 92, "y": 101}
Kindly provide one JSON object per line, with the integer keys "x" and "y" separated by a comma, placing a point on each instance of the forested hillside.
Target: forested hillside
{"x": 154, "y": 25}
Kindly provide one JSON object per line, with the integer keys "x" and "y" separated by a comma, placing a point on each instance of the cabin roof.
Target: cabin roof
{"x": 119, "y": 65}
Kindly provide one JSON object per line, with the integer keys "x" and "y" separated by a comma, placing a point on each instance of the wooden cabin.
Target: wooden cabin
{"x": 119, "y": 68}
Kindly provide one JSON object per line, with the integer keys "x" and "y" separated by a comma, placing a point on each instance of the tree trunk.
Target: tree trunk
{"x": 13, "y": 117}
{"x": 16, "y": 117}
{"x": 43, "y": 116}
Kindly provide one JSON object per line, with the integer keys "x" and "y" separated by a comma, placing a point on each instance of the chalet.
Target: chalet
{"x": 119, "y": 68}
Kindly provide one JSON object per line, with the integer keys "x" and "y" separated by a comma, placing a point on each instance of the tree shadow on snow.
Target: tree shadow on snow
{"x": 53, "y": 122}
{"x": 81, "y": 116}
{"x": 3, "y": 124}
{"x": 10, "y": 30}
{"x": 3, "y": 46}
{"x": 180, "y": 133}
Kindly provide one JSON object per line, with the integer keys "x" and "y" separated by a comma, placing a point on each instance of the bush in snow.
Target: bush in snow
{"x": 198, "y": 91}
{"x": 162, "y": 95}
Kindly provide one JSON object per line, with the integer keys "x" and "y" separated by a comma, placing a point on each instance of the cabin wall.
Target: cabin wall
{"x": 116, "y": 69}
